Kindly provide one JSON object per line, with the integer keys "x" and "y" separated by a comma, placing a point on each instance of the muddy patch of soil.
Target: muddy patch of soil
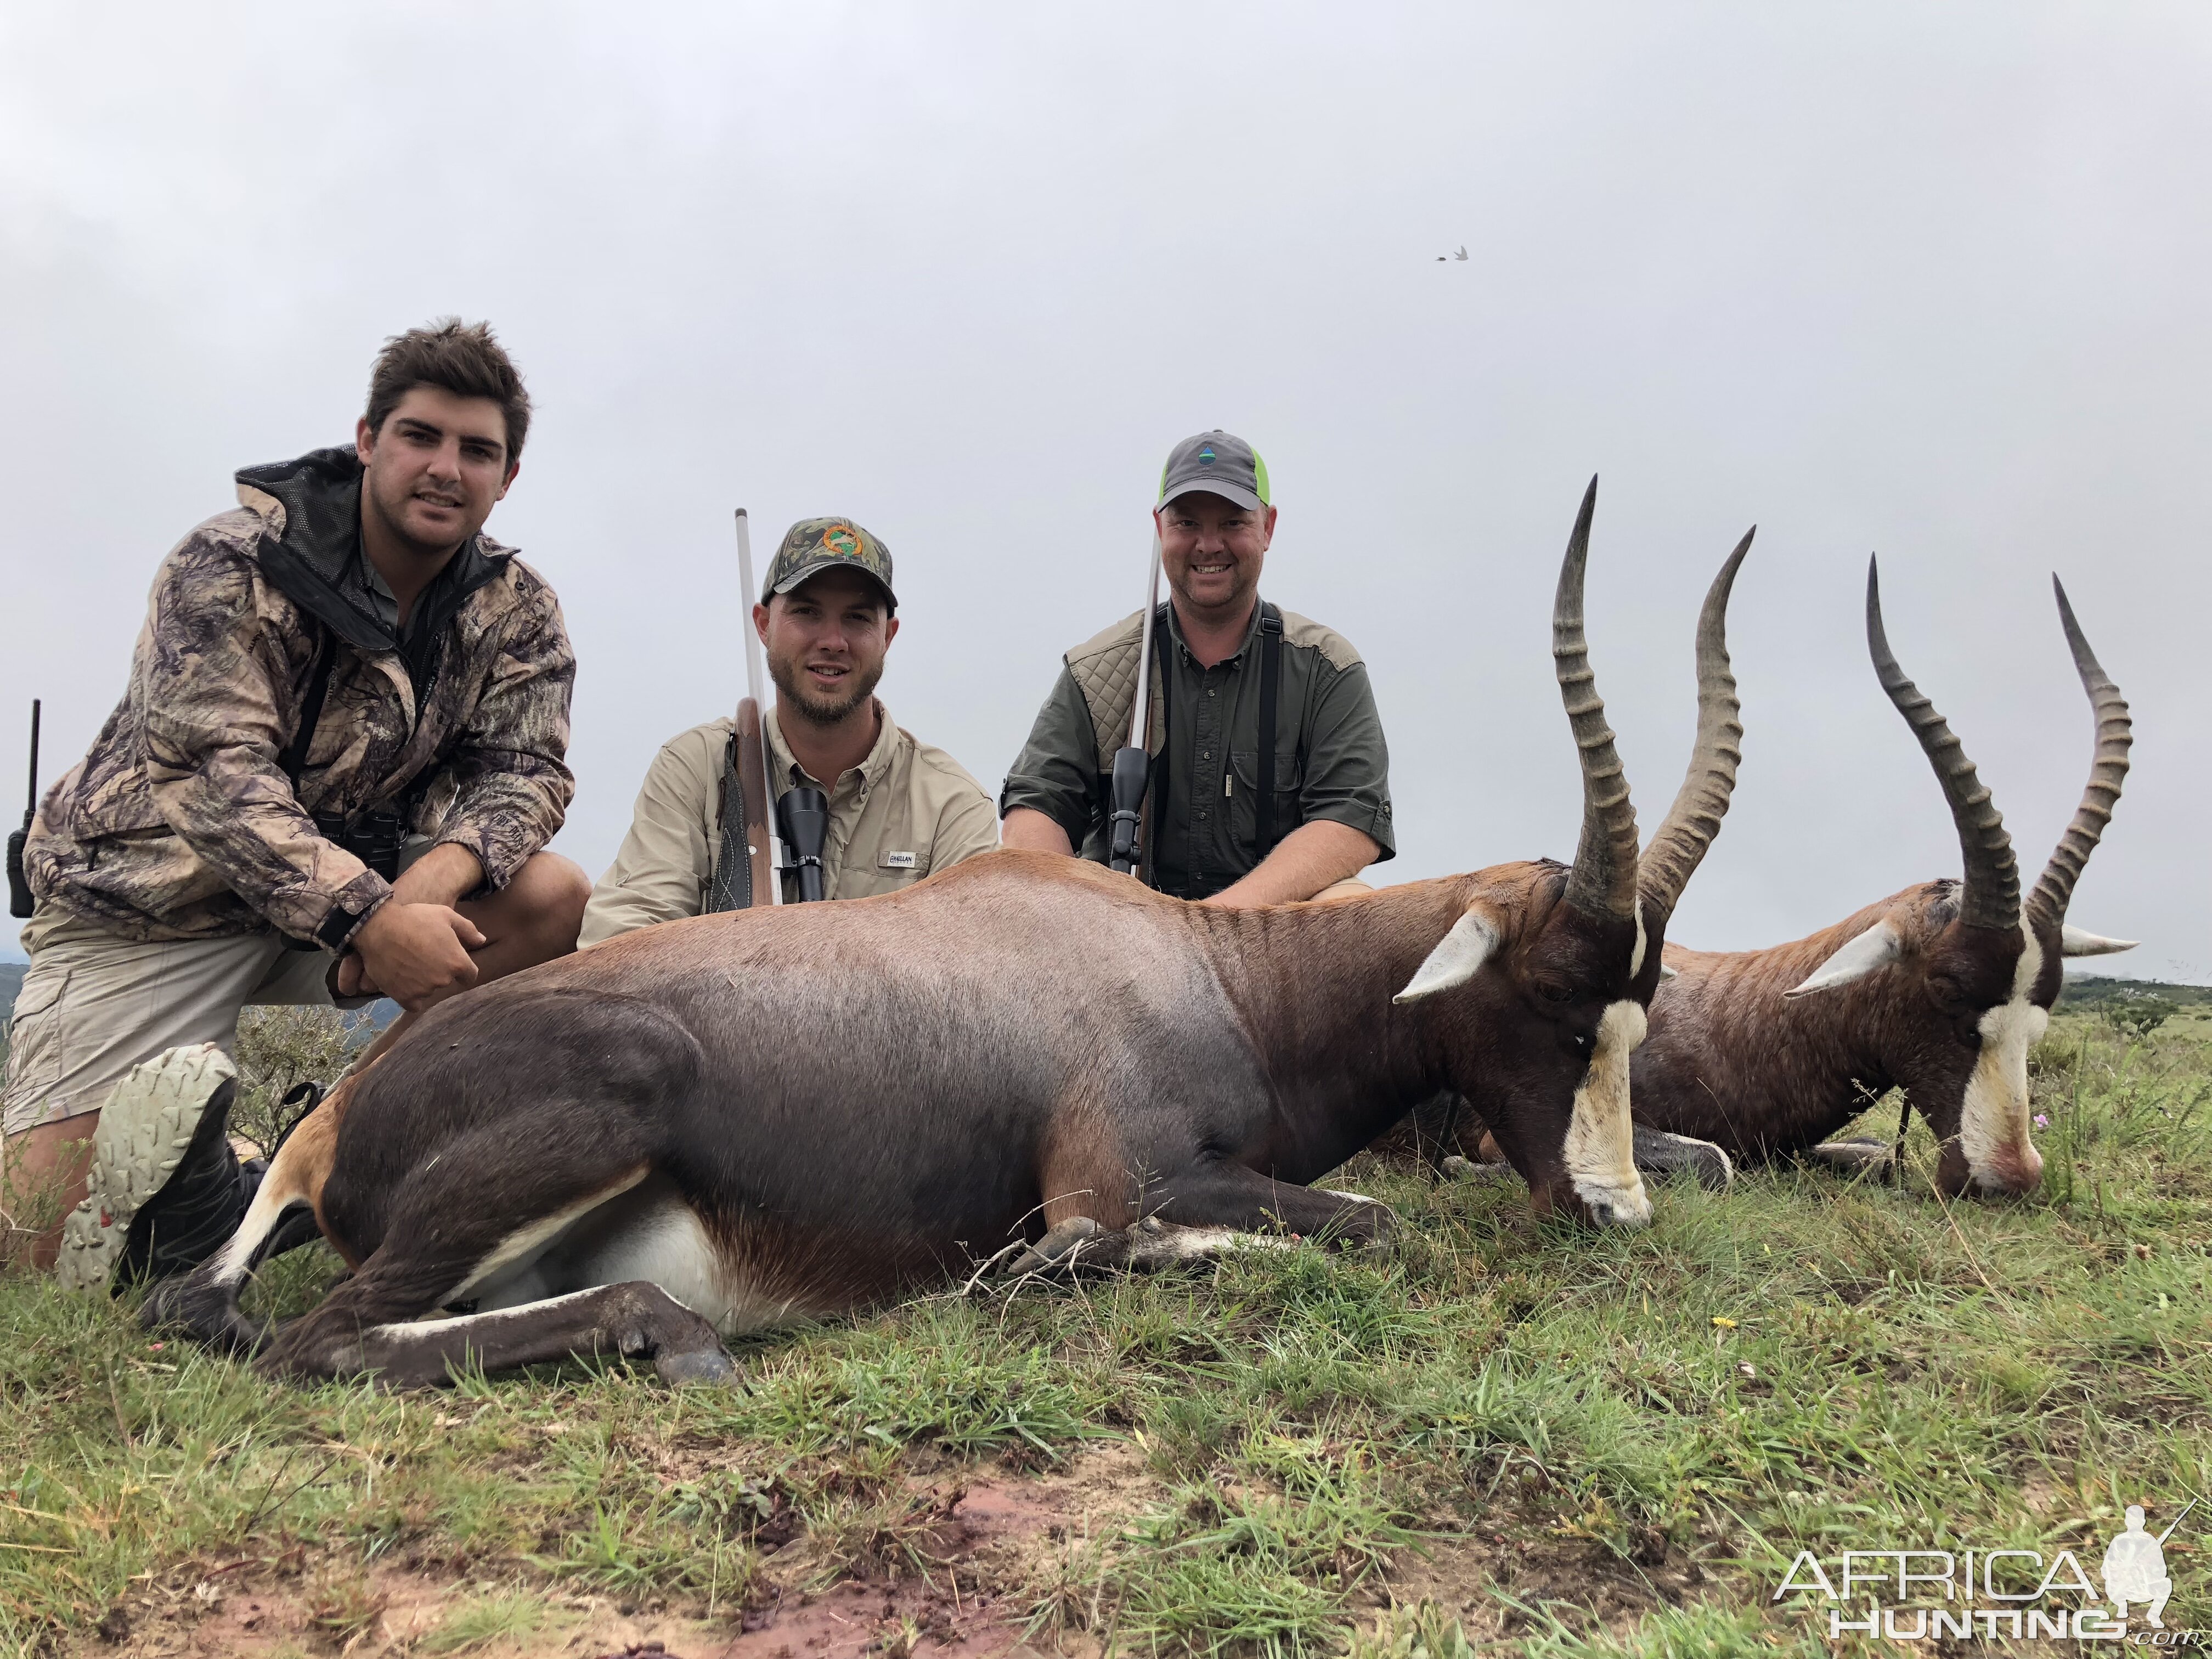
{"x": 962, "y": 1585}
{"x": 1462, "y": 1573}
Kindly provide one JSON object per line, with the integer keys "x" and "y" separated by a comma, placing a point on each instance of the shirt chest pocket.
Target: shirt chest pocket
{"x": 1243, "y": 781}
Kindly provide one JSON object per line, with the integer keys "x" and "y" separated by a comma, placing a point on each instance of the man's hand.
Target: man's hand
{"x": 420, "y": 955}
{"x": 415, "y": 954}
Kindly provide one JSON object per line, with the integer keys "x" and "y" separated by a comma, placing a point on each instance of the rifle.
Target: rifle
{"x": 1131, "y": 766}
{"x": 20, "y": 899}
{"x": 745, "y": 869}
{"x": 755, "y": 837}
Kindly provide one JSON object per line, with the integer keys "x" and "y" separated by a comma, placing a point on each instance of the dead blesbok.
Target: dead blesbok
{"x": 717, "y": 1124}
{"x": 1939, "y": 990}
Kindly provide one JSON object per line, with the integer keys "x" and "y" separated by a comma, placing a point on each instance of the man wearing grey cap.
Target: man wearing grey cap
{"x": 898, "y": 808}
{"x": 1215, "y": 830}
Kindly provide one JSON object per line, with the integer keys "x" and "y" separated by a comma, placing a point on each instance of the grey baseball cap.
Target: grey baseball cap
{"x": 1220, "y": 463}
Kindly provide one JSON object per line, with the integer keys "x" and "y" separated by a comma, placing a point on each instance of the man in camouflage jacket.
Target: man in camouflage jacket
{"x": 341, "y": 673}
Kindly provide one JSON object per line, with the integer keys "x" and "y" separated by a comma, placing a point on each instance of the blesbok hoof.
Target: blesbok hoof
{"x": 1874, "y": 1157}
{"x": 1658, "y": 1153}
{"x": 702, "y": 1367}
{"x": 1053, "y": 1249}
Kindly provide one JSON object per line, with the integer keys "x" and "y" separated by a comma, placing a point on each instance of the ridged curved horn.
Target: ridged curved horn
{"x": 1695, "y": 817}
{"x": 1990, "y": 896}
{"x": 1603, "y": 880}
{"x": 2108, "y": 766}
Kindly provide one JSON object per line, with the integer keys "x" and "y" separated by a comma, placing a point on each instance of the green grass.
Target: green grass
{"x": 1564, "y": 1443}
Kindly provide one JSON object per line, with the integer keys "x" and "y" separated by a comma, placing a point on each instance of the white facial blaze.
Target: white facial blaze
{"x": 1993, "y": 1120}
{"x": 1600, "y": 1149}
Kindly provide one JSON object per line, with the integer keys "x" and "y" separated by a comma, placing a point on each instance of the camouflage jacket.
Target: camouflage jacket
{"x": 180, "y": 822}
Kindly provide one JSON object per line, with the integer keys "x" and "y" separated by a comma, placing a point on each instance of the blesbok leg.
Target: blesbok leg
{"x": 636, "y": 1321}
{"x": 1203, "y": 1212}
{"x": 1241, "y": 1199}
{"x": 473, "y": 1220}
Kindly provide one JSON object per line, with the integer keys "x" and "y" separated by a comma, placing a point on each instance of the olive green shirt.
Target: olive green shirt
{"x": 1331, "y": 761}
{"x": 907, "y": 810}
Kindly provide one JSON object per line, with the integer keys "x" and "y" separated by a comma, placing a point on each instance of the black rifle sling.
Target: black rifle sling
{"x": 294, "y": 754}
{"x": 732, "y": 885}
{"x": 1271, "y": 676}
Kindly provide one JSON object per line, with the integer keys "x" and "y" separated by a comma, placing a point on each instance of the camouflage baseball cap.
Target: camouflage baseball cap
{"x": 813, "y": 545}
{"x": 1220, "y": 463}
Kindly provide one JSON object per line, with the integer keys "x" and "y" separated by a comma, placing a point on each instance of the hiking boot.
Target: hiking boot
{"x": 166, "y": 1189}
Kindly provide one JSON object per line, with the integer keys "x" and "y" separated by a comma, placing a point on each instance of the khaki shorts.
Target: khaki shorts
{"x": 93, "y": 1006}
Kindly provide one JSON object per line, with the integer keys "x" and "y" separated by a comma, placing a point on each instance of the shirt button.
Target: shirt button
{"x": 1209, "y": 690}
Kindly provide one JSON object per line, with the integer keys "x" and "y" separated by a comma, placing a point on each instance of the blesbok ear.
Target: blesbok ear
{"x": 1459, "y": 956}
{"x": 2080, "y": 942}
{"x": 1870, "y": 952}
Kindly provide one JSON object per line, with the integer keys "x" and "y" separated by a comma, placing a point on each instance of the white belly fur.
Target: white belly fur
{"x": 652, "y": 1235}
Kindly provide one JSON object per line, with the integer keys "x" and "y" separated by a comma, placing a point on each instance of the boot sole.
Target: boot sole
{"x": 144, "y": 1128}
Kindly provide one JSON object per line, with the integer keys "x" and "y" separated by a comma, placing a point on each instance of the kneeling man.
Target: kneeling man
{"x": 898, "y": 808}
{"x": 342, "y": 749}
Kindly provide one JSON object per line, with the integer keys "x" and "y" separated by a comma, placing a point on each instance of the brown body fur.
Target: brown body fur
{"x": 1730, "y": 1059}
{"x": 856, "y": 1102}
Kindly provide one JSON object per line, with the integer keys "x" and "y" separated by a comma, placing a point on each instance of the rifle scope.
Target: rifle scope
{"x": 803, "y": 814}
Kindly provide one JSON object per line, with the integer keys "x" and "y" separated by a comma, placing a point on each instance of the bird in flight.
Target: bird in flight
{"x": 1461, "y": 254}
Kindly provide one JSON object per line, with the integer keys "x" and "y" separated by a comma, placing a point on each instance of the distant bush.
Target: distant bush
{"x": 278, "y": 1049}
{"x": 2137, "y": 1014}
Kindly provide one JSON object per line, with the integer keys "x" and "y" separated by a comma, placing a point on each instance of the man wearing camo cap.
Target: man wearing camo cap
{"x": 1228, "y": 821}
{"x": 898, "y": 808}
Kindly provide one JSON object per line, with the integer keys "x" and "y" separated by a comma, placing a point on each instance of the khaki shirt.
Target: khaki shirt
{"x": 1331, "y": 761}
{"x": 907, "y": 810}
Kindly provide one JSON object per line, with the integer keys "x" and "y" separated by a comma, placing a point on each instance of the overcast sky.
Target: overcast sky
{"x": 1931, "y": 281}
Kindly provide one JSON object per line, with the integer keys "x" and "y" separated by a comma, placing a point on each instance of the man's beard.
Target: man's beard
{"x": 813, "y": 706}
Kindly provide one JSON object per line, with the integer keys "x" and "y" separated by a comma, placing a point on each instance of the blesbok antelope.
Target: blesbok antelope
{"x": 1940, "y": 990}
{"x": 718, "y": 1123}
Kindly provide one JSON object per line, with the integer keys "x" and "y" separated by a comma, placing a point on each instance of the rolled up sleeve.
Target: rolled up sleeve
{"x": 513, "y": 784}
{"x": 1347, "y": 771}
{"x": 1056, "y": 772}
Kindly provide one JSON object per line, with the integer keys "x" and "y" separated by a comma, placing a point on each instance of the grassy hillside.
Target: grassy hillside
{"x": 1499, "y": 1432}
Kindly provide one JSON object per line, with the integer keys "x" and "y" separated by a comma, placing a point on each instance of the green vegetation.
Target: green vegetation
{"x": 1525, "y": 1436}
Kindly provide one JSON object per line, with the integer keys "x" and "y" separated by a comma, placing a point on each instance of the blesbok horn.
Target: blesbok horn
{"x": 1603, "y": 880}
{"x": 1694, "y": 819}
{"x": 1991, "y": 895}
{"x": 2108, "y": 768}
